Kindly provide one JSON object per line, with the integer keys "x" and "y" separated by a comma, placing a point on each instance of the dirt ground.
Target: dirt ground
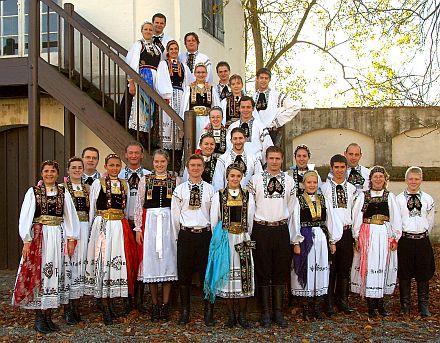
{"x": 17, "y": 325}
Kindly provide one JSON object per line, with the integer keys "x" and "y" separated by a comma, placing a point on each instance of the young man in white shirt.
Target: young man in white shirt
{"x": 192, "y": 56}
{"x": 160, "y": 39}
{"x": 257, "y": 136}
{"x": 357, "y": 175}
{"x": 250, "y": 163}
{"x": 273, "y": 232}
{"x": 190, "y": 211}
{"x": 341, "y": 194}
{"x": 275, "y": 108}
{"x": 223, "y": 70}
{"x": 414, "y": 251}
{"x": 90, "y": 157}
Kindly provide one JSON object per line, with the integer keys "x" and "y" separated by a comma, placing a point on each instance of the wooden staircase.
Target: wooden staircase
{"x": 88, "y": 76}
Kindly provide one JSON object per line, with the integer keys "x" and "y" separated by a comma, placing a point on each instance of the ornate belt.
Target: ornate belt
{"x": 83, "y": 216}
{"x": 315, "y": 223}
{"x": 49, "y": 220}
{"x": 200, "y": 110}
{"x": 266, "y": 223}
{"x": 195, "y": 229}
{"x": 111, "y": 214}
{"x": 236, "y": 228}
{"x": 377, "y": 219}
{"x": 415, "y": 235}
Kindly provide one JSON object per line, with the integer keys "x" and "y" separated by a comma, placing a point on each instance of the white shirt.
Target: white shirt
{"x": 70, "y": 224}
{"x": 94, "y": 176}
{"x": 417, "y": 221}
{"x": 164, "y": 40}
{"x": 181, "y": 215}
{"x": 280, "y": 109}
{"x": 125, "y": 175}
{"x": 163, "y": 80}
{"x": 257, "y": 142}
{"x": 344, "y": 214}
{"x": 253, "y": 166}
{"x": 365, "y": 172}
{"x": 273, "y": 207}
{"x": 200, "y": 58}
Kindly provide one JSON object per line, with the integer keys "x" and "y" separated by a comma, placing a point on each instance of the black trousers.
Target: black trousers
{"x": 343, "y": 257}
{"x": 415, "y": 259}
{"x": 192, "y": 255}
{"x": 272, "y": 257}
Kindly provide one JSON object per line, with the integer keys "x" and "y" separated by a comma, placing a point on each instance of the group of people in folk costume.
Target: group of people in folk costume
{"x": 234, "y": 215}
{"x": 133, "y": 227}
{"x": 185, "y": 81}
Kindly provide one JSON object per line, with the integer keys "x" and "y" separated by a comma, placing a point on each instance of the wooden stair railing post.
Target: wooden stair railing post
{"x": 69, "y": 64}
{"x": 34, "y": 134}
{"x": 189, "y": 143}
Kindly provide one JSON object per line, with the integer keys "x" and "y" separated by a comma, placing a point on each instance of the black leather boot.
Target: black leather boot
{"x": 127, "y": 304}
{"x": 371, "y": 308}
{"x": 330, "y": 298}
{"x": 242, "y": 320}
{"x": 75, "y": 309}
{"x": 139, "y": 297}
{"x": 232, "y": 321}
{"x": 405, "y": 296}
{"x": 155, "y": 312}
{"x": 277, "y": 304}
{"x": 344, "y": 287}
{"x": 112, "y": 308}
{"x": 69, "y": 316}
{"x": 423, "y": 298}
{"x": 40, "y": 323}
{"x": 165, "y": 312}
{"x": 307, "y": 307}
{"x": 106, "y": 315}
{"x": 185, "y": 303}
{"x": 265, "y": 320}
{"x": 209, "y": 314}
{"x": 48, "y": 316}
{"x": 317, "y": 301}
{"x": 381, "y": 307}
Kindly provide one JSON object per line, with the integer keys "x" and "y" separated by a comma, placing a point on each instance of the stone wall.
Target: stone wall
{"x": 391, "y": 136}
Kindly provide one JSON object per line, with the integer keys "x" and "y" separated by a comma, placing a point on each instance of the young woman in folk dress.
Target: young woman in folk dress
{"x": 112, "y": 264}
{"x": 49, "y": 228}
{"x": 155, "y": 236}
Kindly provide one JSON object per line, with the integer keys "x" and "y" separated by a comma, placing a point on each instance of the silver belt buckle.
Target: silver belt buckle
{"x": 197, "y": 230}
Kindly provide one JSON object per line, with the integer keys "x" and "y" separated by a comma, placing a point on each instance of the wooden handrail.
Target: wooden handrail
{"x": 119, "y": 61}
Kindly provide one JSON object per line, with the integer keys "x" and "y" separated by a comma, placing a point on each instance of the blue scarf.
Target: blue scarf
{"x": 217, "y": 270}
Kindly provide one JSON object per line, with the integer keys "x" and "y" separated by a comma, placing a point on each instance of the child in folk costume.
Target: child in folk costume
{"x": 155, "y": 235}
{"x": 111, "y": 257}
{"x": 414, "y": 252}
{"x": 79, "y": 191}
{"x": 49, "y": 228}
{"x": 230, "y": 272}
{"x": 377, "y": 227}
{"x": 317, "y": 231}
